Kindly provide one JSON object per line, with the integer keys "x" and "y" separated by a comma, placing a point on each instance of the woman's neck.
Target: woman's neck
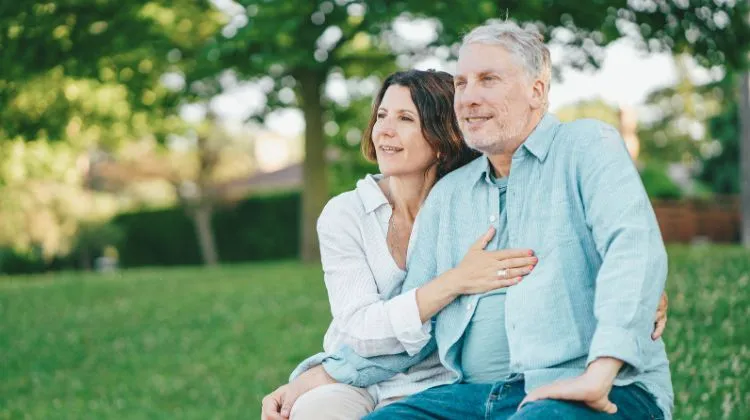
{"x": 407, "y": 192}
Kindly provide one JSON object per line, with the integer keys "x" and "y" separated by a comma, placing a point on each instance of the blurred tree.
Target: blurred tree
{"x": 593, "y": 108}
{"x": 196, "y": 167}
{"x": 677, "y": 131}
{"x": 721, "y": 169}
{"x": 296, "y": 48}
{"x": 80, "y": 75}
{"x": 744, "y": 117}
{"x": 57, "y": 53}
{"x": 42, "y": 197}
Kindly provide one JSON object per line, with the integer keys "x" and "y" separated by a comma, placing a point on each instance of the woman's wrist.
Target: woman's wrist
{"x": 437, "y": 294}
{"x": 449, "y": 285}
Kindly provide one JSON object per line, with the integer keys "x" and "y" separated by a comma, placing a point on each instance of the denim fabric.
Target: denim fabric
{"x": 500, "y": 401}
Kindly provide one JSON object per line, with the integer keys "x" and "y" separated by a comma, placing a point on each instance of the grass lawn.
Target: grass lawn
{"x": 190, "y": 343}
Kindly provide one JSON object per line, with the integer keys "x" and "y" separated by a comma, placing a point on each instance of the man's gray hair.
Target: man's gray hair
{"x": 527, "y": 45}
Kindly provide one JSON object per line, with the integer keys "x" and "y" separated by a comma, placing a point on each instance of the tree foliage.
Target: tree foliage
{"x": 296, "y": 47}
{"x": 88, "y": 72}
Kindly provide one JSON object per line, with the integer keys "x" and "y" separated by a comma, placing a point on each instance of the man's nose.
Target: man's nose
{"x": 470, "y": 95}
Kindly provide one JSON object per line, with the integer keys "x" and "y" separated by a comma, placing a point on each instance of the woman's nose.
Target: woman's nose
{"x": 386, "y": 128}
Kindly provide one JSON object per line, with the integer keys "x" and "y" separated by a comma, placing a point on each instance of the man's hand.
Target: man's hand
{"x": 278, "y": 404}
{"x": 592, "y": 388}
{"x": 661, "y": 317}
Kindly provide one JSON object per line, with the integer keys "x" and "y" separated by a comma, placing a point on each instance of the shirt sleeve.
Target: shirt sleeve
{"x": 362, "y": 320}
{"x": 627, "y": 237}
{"x": 345, "y": 365}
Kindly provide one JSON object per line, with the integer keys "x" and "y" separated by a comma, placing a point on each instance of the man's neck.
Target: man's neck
{"x": 501, "y": 162}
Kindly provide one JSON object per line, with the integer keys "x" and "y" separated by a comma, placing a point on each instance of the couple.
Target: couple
{"x": 549, "y": 314}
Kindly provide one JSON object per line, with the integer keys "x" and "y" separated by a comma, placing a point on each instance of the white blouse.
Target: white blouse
{"x": 364, "y": 285}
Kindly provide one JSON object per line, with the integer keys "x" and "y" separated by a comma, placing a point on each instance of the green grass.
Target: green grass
{"x": 199, "y": 344}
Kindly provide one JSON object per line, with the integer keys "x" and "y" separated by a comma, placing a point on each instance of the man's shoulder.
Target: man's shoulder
{"x": 587, "y": 136}
{"x": 583, "y": 131}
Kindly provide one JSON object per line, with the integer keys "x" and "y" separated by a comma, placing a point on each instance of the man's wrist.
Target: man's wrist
{"x": 604, "y": 369}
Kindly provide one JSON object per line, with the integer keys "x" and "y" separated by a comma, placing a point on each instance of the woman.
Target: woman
{"x": 365, "y": 234}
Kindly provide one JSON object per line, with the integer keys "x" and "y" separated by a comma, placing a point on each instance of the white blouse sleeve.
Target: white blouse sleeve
{"x": 362, "y": 320}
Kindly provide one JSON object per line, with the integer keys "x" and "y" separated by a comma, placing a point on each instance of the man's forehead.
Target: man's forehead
{"x": 475, "y": 69}
{"x": 482, "y": 58}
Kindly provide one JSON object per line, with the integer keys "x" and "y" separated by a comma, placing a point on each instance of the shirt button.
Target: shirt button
{"x": 493, "y": 218}
{"x": 469, "y": 307}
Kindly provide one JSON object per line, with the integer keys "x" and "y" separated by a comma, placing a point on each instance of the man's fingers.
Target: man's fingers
{"x": 659, "y": 327}
{"x": 529, "y": 398}
{"x": 660, "y": 314}
{"x": 542, "y": 393}
{"x": 482, "y": 242}
{"x": 610, "y": 407}
{"x": 663, "y": 302}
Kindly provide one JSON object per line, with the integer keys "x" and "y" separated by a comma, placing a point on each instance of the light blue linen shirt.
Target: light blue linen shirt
{"x": 485, "y": 354}
{"x": 575, "y": 198}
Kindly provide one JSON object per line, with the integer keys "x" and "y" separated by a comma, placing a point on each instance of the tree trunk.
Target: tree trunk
{"x": 315, "y": 181}
{"x": 744, "y": 110}
{"x": 85, "y": 259}
{"x": 202, "y": 215}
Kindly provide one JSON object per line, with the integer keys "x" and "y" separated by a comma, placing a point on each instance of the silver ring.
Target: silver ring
{"x": 502, "y": 272}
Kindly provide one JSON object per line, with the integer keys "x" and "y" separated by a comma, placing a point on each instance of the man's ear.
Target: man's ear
{"x": 538, "y": 94}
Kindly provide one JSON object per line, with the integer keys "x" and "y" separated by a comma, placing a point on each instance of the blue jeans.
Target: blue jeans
{"x": 501, "y": 400}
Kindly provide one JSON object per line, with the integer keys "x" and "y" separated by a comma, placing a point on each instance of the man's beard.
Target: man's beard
{"x": 500, "y": 141}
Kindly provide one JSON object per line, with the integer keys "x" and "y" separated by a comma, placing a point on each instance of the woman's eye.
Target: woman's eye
{"x": 380, "y": 116}
{"x": 405, "y": 118}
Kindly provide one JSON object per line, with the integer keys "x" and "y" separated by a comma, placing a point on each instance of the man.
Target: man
{"x": 573, "y": 339}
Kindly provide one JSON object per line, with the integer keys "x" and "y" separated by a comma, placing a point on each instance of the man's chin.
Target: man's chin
{"x": 484, "y": 146}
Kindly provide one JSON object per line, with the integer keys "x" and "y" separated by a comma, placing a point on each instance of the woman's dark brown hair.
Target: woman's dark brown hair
{"x": 432, "y": 94}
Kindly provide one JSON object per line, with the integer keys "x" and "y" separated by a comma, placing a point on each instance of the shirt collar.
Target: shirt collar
{"x": 370, "y": 193}
{"x": 540, "y": 139}
{"x": 480, "y": 169}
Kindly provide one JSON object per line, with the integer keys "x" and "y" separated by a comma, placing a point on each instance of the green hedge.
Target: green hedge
{"x": 258, "y": 228}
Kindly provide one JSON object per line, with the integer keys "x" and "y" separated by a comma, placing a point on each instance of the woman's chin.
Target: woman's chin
{"x": 400, "y": 171}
